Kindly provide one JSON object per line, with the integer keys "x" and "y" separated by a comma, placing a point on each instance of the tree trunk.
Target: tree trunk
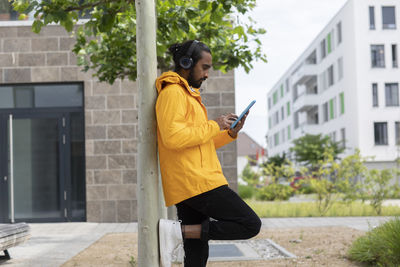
{"x": 148, "y": 177}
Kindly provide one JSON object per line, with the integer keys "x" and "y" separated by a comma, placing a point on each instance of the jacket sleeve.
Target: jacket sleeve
{"x": 175, "y": 131}
{"x": 222, "y": 138}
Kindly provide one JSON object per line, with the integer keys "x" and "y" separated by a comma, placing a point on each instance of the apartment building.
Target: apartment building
{"x": 344, "y": 85}
{"x": 68, "y": 140}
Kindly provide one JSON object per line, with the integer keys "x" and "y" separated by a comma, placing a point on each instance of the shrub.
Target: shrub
{"x": 274, "y": 192}
{"x": 246, "y": 191}
{"x": 380, "y": 246}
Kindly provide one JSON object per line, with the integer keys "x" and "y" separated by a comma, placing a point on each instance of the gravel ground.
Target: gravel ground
{"x": 313, "y": 246}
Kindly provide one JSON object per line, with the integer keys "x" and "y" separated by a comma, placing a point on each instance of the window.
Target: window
{"x": 289, "y": 136}
{"x": 343, "y": 137}
{"x": 276, "y": 139}
{"x": 325, "y": 111}
{"x": 296, "y": 120}
{"x": 372, "y": 18}
{"x": 269, "y": 103}
{"x": 269, "y": 123}
{"x": 340, "y": 68}
{"x": 276, "y": 118}
{"x": 394, "y": 56}
{"x": 329, "y": 42}
{"x": 288, "y": 108}
{"x": 380, "y": 132}
{"x": 397, "y": 132}
{"x": 332, "y": 108}
{"x": 282, "y": 112}
{"x": 377, "y": 56}
{"x": 287, "y": 85}
{"x": 341, "y": 97}
{"x": 388, "y": 17}
{"x": 281, "y": 90}
{"x": 375, "y": 102}
{"x": 283, "y": 134}
{"x": 339, "y": 32}
{"x": 392, "y": 94}
{"x": 275, "y": 97}
{"x": 330, "y": 76}
{"x": 323, "y": 49}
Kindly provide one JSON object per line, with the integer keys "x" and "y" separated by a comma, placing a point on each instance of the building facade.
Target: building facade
{"x": 73, "y": 152}
{"x": 345, "y": 85}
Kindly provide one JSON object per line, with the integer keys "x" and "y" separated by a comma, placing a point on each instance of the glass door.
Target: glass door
{"x": 35, "y": 183}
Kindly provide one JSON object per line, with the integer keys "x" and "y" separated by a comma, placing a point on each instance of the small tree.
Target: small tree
{"x": 310, "y": 149}
{"x": 251, "y": 177}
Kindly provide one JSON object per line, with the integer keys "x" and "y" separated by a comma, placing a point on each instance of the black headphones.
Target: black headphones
{"x": 186, "y": 62}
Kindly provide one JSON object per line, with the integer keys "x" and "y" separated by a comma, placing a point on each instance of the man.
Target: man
{"x": 191, "y": 172}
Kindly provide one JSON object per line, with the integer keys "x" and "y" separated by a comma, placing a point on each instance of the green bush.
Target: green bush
{"x": 274, "y": 192}
{"x": 380, "y": 246}
{"x": 246, "y": 191}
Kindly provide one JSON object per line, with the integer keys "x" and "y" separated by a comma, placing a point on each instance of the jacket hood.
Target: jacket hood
{"x": 171, "y": 77}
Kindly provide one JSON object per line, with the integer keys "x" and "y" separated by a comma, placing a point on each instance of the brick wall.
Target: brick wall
{"x": 110, "y": 116}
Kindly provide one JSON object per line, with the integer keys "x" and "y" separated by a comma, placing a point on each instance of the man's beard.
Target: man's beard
{"x": 192, "y": 82}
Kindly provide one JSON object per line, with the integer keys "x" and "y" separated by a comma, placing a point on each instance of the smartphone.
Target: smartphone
{"x": 242, "y": 114}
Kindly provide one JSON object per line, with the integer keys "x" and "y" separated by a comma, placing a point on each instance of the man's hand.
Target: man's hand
{"x": 233, "y": 132}
{"x": 225, "y": 121}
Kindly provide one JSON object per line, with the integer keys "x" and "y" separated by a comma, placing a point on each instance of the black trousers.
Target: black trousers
{"x": 232, "y": 219}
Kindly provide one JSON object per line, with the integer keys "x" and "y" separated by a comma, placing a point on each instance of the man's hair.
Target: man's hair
{"x": 180, "y": 50}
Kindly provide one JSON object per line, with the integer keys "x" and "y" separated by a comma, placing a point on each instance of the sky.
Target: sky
{"x": 291, "y": 26}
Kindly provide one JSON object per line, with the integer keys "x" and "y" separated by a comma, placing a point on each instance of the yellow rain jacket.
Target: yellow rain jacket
{"x": 187, "y": 141}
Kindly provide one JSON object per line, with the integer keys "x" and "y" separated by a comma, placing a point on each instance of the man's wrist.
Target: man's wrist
{"x": 232, "y": 134}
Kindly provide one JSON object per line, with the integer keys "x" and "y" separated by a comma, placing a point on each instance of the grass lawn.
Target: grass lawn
{"x": 266, "y": 209}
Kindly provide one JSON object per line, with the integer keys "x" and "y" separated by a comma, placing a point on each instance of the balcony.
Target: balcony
{"x": 304, "y": 73}
{"x": 305, "y": 102}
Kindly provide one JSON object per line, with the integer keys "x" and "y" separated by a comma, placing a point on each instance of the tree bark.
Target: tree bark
{"x": 148, "y": 175}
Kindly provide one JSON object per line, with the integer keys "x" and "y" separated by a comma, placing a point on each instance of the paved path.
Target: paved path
{"x": 52, "y": 244}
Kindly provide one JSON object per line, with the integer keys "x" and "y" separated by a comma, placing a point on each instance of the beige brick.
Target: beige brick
{"x": 89, "y": 177}
{"x": 45, "y": 74}
{"x": 45, "y": 44}
{"x": 17, "y": 75}
{"x": 130, "y": 116}
{"x": 108, "y": 212}
{"x": 129, "y": 176}
{"x": 102, "y": 88}
{"x": 229, "y": 147}
{"x": 228, "y": 99}
{"x": 221, "y": 84}
{"x": 73, "y": 59}
{"x": 107, "y": 147}
{"x": 17, "y": 45}
{"x": 69, "y": 73}
{"x": 122, "y": 192}
{"x": 1, "y": 75}
{"x": 108, "y": 177}
{"x": 211, "y": 99}
{"x": 93, "y": 211}
{"x": 86, "y": 75}
{"x": 134, "y": 209}
{"x": 96, "y": 162}
{"x": 229, "y": 159}
{"x": 120, "y": 102}
{"x": 95, "y": 132}
{"x": 122, "y": 162}
{"x": 89, "y": 147}
{"x": 67, "y": 43}
{"x": 54, "y": 31}
{"x": 26, "y": 31}
{"x": 31, "y": 59}
{"x": 121, "y": 132}
{"x": 216, "y": 112}
{"x": 96, "y": 192}
{"x": 57, "y": 59}
{"x": 124, "y": 211}
{"x": 106, "y": 117}
{"x": 88, "y": 87}
{"x": 128, "y": 87}
{"x": 6, "y": 60}
{"x": 6, "y": 32}
{"x": 230, "y": 173}
{"x": 95, "y": 102}
{"x": 88, "y": 118}
{"x": 129, "y": 146}
{"x": 214, "y": 73}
